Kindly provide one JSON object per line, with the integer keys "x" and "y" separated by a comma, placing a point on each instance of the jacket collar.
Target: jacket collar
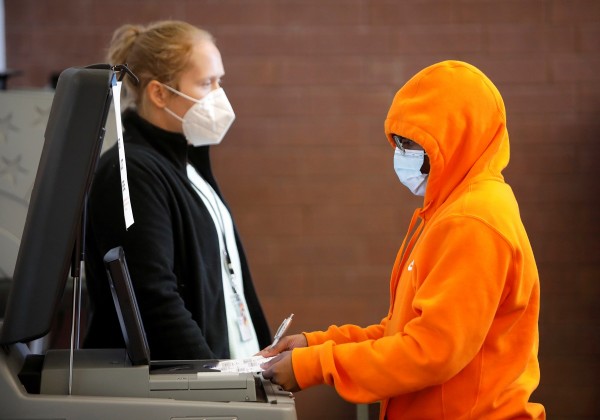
{"x": 171, "y": 145}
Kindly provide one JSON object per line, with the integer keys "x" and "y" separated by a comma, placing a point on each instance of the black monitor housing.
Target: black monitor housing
{"x": 52, "y": 235}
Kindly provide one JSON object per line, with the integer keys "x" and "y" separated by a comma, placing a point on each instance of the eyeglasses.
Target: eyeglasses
{"x": 404, "y": 144}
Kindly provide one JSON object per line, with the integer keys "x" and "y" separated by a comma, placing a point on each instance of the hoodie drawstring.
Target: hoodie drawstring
{"x": 413, "y": 233}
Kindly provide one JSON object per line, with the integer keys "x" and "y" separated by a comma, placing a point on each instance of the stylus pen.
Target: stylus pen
{"x": 282, "y": 329}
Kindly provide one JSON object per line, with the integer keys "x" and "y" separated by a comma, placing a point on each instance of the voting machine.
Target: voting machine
{"x": 98, "y": 383}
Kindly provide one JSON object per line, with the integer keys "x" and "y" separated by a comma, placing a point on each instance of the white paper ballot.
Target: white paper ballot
{"x": 249, "y": 364}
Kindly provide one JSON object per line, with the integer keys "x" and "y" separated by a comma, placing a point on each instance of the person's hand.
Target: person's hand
{"x": 280, "y": 371}
{"x": 289, "y": 342}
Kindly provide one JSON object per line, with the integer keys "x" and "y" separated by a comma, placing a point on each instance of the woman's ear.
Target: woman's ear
{"x": 157, "y": 94}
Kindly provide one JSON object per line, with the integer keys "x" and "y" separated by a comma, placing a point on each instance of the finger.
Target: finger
{"x": 263, "y": 352}
{"x": 267, "y": 374}
{"x": 275, "y": 349}
{"x": 271, "y": 362}
{"x": 271, "y": 350}
{"x": 268, "y": 352}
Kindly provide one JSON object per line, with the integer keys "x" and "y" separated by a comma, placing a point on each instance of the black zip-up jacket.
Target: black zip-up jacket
{"x": 172, "y": 249}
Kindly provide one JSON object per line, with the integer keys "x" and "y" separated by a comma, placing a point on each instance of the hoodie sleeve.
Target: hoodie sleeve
{"x": 346, "y": 334}
{"x": 443, "y": 310}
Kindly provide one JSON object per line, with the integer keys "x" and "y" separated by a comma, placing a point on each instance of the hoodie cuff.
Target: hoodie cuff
{"x": 306, "y": 362}
{"x": 315, "y": 337}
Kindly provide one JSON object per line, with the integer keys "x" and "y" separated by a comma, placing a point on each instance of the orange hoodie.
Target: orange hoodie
{"x": 460, "y": 339}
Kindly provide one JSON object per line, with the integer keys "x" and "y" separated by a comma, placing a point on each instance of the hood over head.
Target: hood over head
{"x": 457, "y": 115}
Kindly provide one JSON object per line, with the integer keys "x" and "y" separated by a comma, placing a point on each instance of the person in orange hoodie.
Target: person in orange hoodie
{"x": 460, "y": 338}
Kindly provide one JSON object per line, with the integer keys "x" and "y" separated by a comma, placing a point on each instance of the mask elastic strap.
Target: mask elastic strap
{"x": 173, "y": 114}
{"x": 187, "y": 96}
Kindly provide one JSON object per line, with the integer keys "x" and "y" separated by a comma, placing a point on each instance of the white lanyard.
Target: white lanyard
{"x": 221, "y": 228}
{"x": 242, "y": 316}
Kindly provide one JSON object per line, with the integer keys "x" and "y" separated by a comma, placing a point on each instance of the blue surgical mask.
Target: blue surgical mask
{"x": 407, "y": 165}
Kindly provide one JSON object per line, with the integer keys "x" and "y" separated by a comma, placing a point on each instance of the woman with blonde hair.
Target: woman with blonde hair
{"x": 187, "y": 264}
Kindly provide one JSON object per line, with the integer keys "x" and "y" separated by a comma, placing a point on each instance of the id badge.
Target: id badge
{"x": 242, "y": 318}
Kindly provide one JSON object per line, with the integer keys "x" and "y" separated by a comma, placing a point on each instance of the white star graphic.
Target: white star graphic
{"x": 6, "y": 125}
{"x": 11, "y": 168}
{"x": 42, "y": 115}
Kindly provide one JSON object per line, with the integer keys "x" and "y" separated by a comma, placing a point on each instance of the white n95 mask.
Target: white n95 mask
{"x": 408, "y": 165}
{"x": 207, "y": 121}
